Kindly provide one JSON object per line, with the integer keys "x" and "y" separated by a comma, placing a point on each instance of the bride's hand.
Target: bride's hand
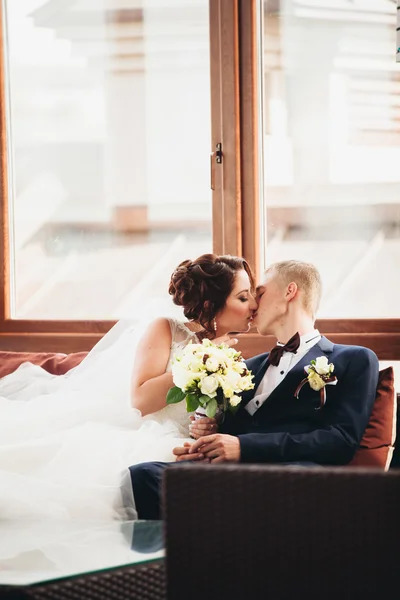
{"x": 182, "y": 453}
{"x": 203, "y": 426}
{"x": 226, "y": 339}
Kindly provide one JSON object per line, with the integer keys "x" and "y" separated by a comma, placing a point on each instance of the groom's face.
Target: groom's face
{"x": 271, "y": 304}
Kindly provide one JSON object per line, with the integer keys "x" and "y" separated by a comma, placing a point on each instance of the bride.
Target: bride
{"x": 66, "y": 441}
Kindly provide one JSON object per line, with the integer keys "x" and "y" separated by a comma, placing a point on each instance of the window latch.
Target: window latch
{"x": 218, "y": 159}
{"x": 218, "y": 153}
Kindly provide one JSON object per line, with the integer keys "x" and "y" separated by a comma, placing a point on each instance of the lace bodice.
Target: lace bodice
{"x": 181, "y": 336}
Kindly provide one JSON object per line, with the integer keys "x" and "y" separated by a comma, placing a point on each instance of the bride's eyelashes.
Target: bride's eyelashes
{"x": 243, "y": 299}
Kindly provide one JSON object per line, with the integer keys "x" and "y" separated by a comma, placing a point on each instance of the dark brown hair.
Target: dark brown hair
{"x": 202, "y": 286}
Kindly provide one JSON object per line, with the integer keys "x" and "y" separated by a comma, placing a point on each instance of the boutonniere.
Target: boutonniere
{"x": 319, "y": 374}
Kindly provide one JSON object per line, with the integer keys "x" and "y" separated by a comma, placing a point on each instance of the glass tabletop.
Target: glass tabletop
{"x": 35, "y": 552}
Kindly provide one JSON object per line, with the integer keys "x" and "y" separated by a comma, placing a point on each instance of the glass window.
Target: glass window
{"x": 109, "y": 130}
{"x": 331, "y": 112}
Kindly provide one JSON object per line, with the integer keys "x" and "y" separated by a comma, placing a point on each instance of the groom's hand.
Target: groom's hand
{"x": 201, "y": 427}
{"x": 217, "y": 448}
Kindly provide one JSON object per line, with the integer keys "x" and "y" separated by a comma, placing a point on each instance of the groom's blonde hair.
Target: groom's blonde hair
{"x": 307, "y": 278}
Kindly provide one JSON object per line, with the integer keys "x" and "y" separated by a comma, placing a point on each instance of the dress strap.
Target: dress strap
{"x": 181, "y": 333}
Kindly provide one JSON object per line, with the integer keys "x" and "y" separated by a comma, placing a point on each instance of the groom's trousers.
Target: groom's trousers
{"x": 146, "y": 481}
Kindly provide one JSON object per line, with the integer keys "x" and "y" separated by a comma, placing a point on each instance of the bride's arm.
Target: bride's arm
{"x": 150, "y": 382}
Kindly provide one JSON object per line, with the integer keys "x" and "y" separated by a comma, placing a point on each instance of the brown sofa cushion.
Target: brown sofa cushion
{"x": 60, "y": 364}
{"x": 376, "y": 446}
{"x": 53, "y": 362}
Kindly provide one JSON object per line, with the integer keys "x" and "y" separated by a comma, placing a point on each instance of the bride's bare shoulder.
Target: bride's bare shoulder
{"x": 162, "y": 324}
{"x": 159, "y": 328}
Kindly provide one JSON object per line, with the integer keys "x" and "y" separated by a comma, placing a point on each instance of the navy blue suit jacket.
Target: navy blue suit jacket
{"x": 290, "y": 429}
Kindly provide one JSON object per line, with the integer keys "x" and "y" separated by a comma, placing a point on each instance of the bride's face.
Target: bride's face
{"x": 240, "y": 306}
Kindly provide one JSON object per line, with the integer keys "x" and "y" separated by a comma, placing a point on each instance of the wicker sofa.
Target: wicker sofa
{"x": 258, "y": 531}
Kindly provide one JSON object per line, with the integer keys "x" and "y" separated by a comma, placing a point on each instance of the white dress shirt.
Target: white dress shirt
{"x": 275, "y": 375}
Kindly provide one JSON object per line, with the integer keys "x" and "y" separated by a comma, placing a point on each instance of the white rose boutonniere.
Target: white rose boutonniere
{"x": 319, "y": 374}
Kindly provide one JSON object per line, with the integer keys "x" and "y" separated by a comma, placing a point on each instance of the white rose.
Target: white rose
{"x": 191, "y": 363}
{"x": 184, "y": 361}
{"x": 315, "y": 381}
{"x": 238, "y": 366}
{"x": 321, "y": 365}
{"x": 197, "y": 364}
{"x": 209, "y": 386}
{"x": 212, "y": 364}
{"x": 220, "y": 355}
{"x": 246, "y": 383}
{"x": 233, "y": 378}
{"x": 235, "y": 400}
{"x": 228, "y": 391}
{"x": 192, "y": 348}
{"x": 183, "y": 378}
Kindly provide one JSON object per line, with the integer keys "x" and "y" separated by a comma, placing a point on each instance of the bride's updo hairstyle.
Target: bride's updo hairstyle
{"x": 202, "y": 286}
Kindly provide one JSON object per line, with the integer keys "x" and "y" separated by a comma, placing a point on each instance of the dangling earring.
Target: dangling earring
{"x": 215, "y": 324}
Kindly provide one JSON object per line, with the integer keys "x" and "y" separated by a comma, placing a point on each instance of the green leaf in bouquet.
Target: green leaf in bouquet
{"x": 192, "y": 402}
{"x": 175, "y": 395}
{"x": 211, "y": 408}
{"x": 204, "y": 400}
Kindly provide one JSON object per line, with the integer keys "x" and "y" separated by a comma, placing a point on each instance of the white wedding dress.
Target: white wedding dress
{"x": 66, "y": 441}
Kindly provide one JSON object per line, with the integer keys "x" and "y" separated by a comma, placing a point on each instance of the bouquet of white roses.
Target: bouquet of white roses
{"x": 211, "y": 377}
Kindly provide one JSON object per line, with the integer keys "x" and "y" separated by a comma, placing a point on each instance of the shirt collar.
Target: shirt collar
{"x": 307, "y": 338}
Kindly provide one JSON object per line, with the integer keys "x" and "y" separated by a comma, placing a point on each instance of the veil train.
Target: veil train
{"x": 66, "y": 441}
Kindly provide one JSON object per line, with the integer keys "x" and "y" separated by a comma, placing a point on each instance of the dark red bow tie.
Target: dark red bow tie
{"x": 276, "y": 353}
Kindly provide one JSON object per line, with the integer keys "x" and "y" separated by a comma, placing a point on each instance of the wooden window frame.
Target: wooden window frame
{"x": 236, "y": 181}
{"x": 77, "y": 335}
{"x": 381, "y": 335}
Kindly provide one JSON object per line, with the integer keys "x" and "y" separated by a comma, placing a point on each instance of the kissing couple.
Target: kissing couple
{"x": 287, "y": 418}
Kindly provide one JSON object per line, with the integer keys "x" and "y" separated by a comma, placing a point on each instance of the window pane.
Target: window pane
{"x": 331, "y": 112}
{"x": 110, "y": 128}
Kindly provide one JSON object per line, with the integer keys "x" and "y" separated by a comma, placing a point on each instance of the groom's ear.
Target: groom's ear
{"x": 291, "y": 291}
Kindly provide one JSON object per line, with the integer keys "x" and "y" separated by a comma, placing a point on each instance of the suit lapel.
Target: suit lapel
{"x": 258, "y": 375}
{"x": 289, "y": 384}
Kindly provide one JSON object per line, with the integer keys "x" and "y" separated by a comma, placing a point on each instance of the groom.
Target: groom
{"x": 277, "y": 422}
